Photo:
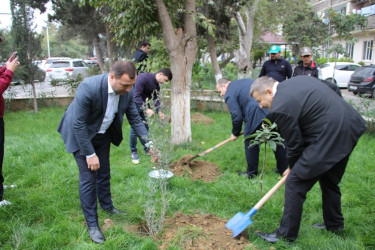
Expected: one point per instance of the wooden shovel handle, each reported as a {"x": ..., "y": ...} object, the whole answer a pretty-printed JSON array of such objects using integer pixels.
[
  {"x": 216, "y": 146},
  {"x": 270, "y": 193}
]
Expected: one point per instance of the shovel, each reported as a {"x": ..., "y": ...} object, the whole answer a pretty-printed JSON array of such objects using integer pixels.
[
  {"x": 240, "y": 221},
  {"x": 211, "y": 149}
]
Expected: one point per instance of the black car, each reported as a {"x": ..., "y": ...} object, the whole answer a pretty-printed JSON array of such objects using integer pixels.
[{"x": 362, "y": 81}]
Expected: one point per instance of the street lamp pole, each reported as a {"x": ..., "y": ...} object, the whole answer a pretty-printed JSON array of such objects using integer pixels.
[{"x": 49, "y": 54}]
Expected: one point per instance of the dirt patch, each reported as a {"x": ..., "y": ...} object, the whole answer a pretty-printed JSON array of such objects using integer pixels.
[
  {"x": 199, "y": 118},
  {"x": 200, "y": 231},
  {"x": 196, "y": 169}
]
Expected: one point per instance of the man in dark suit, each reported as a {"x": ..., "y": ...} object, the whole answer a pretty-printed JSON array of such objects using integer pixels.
[
  {"x": 91, "y": 123},
  {"x": 244, "y": 109},
  {"x": 320, "y": 130}
]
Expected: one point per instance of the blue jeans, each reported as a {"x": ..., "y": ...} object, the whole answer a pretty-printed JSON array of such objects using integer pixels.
[{"x": 133, "y": 136}]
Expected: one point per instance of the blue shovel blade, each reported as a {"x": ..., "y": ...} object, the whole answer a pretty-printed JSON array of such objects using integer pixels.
[
  {"x": 235, "y": 219},
  {"x": 241, "y": 226}
]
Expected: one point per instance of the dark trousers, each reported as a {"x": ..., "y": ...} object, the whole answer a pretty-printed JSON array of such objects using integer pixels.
[
  {"x": 295, "y": 195},
  {"x": 93, "y": 185},
  {"x": 252, "y": 158},
  {"x": 133, "y": 136},
  {"x": 2, "y": 140}
]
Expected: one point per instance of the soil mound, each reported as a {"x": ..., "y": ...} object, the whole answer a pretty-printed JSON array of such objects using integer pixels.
[
  {"x": 200, "y": 231},
  {"x": 196, "y": 170},
  {"x": 199, "y": 118}
]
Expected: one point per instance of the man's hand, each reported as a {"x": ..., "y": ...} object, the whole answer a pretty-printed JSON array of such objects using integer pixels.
[
  {"x": 93, "y": 163},
  {"x": 12, "y": 63},
  {"x": 233, "y": 137},
  {"x": 161, "y": 115},
  {"x": 154, "y": 154},
  {"x": 150, "y": 112}
]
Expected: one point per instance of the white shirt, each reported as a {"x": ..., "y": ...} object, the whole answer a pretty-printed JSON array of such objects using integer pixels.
[
  {"x": 274, "y": 88},
  {"x": 112, "y": 108}
]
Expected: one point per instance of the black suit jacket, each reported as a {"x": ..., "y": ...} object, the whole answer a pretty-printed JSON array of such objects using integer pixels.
[{"x": 319, "y": 127}]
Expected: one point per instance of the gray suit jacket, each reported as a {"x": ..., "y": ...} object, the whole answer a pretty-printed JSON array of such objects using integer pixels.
[{"x": 83, "y": 118}]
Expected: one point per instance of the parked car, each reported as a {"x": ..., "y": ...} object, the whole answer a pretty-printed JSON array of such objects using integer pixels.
[
  {"x": 343, "y": 71},
  {"x": 363, "y": 81},
  {"x": 67, "y": 69},
  {"x": 49, "y": 60}
]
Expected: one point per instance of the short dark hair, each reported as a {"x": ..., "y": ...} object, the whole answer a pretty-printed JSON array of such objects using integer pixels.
[
  {"x": 144, "y": 44},
  {"x": 124, "y": 67},
  {"x": 167, "y": 72}
]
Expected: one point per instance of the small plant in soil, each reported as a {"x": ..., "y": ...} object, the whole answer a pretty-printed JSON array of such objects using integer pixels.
[
  {"x": 158, "y": 200},
  {"x": 267, "y": 136}
]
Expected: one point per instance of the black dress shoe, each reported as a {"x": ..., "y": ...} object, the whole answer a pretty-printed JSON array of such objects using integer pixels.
[
  {"x": 249, "y": 176},
  {"x": 271, "y": 237},
  {"x": 114, "y": 210},
  {"x": 96, "y": 235},
  {"x": 339, "y": 231}
]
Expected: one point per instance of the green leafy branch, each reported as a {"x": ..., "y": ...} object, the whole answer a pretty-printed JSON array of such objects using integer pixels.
[{"x": 267, "y": 136}]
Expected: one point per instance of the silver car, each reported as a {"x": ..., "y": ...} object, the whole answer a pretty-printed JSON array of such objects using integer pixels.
[{"x": 67, "y": 69}]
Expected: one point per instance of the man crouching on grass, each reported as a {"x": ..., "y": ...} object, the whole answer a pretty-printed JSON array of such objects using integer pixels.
[{"x": 320, "y": 130}]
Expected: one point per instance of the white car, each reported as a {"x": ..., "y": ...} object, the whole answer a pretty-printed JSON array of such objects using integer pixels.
[
  {"x": 47, "y": 63},
  {"x": 343, "y": 72},
  {"x": 67, "y": 69}
]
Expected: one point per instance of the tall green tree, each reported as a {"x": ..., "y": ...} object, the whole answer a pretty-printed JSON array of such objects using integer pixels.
[
  {"x": 26, "y": 41},
  {"x": 84, "y": 19},
  {"x": 174, "y": 20},
  {"x": 303, "y": 26}
]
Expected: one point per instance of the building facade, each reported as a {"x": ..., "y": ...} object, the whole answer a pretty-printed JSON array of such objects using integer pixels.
[{"x": 363, "y": 48}]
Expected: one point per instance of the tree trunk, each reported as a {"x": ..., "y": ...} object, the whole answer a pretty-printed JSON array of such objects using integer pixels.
[
  {"x": 246, "y": 31},
  {"x": 34, "y": 97},
  {"x": 213, "y": 55},
  {"x": 109, "y": 44},
  {"x": 182, "y": 49},
  {"x": 99, "y": 54}
]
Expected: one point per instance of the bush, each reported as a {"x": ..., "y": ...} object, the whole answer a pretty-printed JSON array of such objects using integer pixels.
[{"x": 321, "y": 60}]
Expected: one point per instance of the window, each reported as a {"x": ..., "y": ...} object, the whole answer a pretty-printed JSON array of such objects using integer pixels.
[
  {"x": 78, "y": 64},
  {"x": 368, "y": 50},
  {"x": 349, "y": 50}
]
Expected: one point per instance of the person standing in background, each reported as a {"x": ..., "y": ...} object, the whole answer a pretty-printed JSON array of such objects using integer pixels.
[
  {"x": 6, "y": 75},
  {"x": 140, "y": 56},
  {"x": 276, "y": 67}
]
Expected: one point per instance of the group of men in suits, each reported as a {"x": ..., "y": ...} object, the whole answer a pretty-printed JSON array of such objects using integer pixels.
[{"x": 320, "y": 130}]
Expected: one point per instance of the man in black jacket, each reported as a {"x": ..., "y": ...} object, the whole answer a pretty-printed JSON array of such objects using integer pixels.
[
  {"x": 320, "y": 130},
  {"x": 307, "y": 66},
  {"x": 140, "y": 56},
  {"x": 276, "y": 67}
]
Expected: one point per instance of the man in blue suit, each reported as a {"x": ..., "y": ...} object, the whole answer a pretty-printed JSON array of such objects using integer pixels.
[
  {"x": 244, "y": 109},
  {"x": 91, "y": 123}
]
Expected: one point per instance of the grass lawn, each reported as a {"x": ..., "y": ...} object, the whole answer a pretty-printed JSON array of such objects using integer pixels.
[{"x": 46, "y": 212}]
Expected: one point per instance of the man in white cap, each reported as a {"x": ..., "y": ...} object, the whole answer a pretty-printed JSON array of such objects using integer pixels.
[
  {"x": 6, "y": 75},
  {"x": 276, "y": 67}
]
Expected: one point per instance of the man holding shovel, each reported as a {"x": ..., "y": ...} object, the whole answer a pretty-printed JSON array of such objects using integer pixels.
[
  {"x": 244, "y": 109},
  {"x": 320, "y": 130}
]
